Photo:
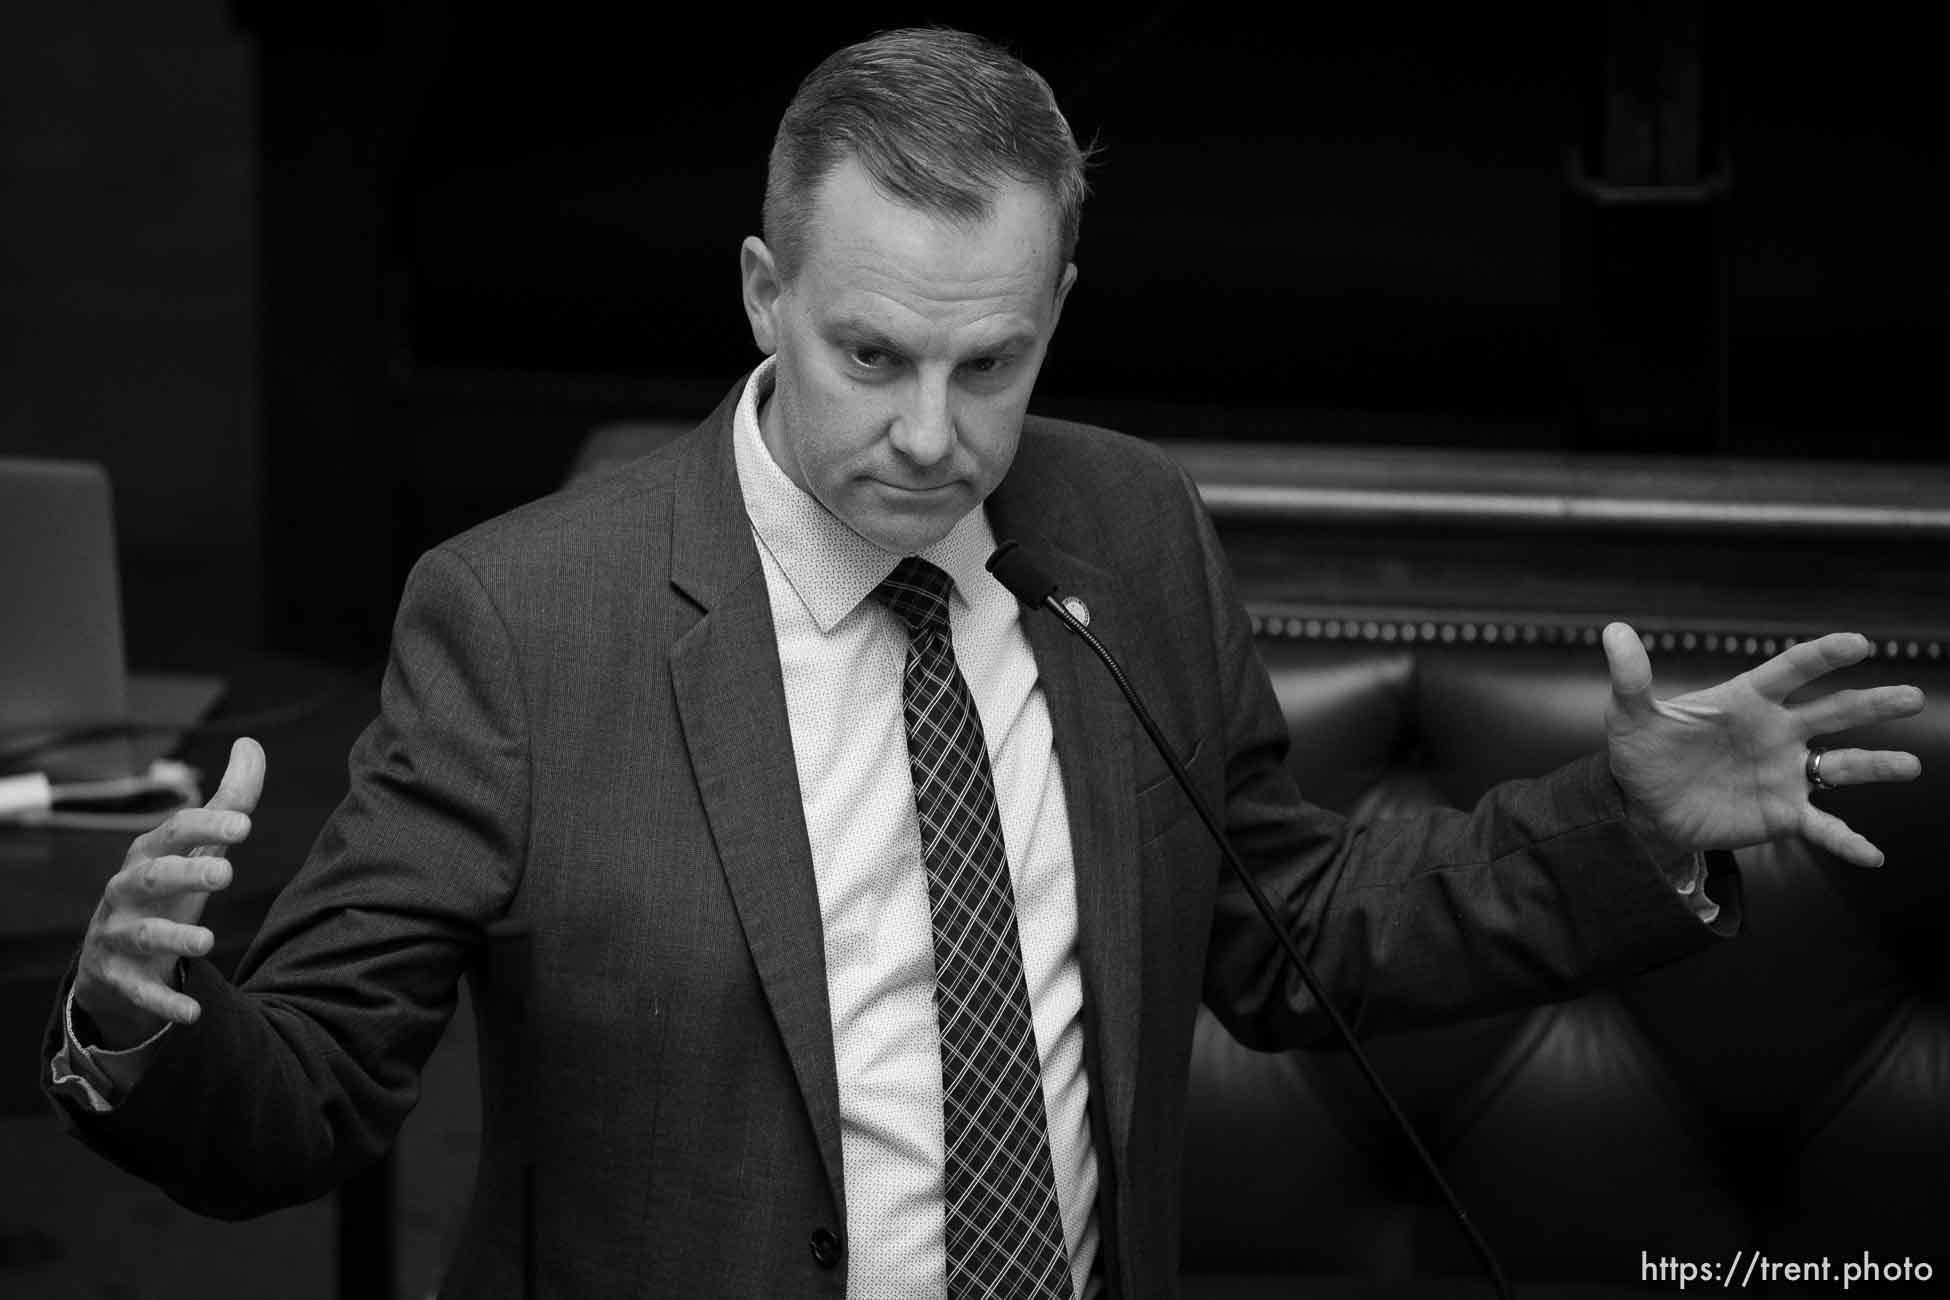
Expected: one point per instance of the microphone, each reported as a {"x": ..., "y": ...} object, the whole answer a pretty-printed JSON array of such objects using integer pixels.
[{"x": 1026, "y": 578}]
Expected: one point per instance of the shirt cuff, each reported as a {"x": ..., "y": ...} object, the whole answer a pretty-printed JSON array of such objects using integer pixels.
[
  {"x": 1685, "y": 870},
  {"x": 1688, "y": 877},
  {"x": 97, "y": 1078}
]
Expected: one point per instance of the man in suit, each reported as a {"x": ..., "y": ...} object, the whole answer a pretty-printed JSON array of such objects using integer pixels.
[{"x": 683, "y": 731}]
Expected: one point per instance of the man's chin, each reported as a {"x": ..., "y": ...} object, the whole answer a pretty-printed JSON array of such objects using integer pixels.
[{"x": 905, "y": 532}]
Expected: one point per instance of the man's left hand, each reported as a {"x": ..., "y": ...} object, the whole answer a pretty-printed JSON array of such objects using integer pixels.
[{"x": 1726, "y": 767}]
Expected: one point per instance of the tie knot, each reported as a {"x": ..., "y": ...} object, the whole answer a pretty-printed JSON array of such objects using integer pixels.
[{"x": 917, "y": 592}]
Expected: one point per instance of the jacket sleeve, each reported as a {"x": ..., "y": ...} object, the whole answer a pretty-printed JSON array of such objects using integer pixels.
[
  {"x": 1538, "y": 893},
  {"x": 300, "y": 1074}
]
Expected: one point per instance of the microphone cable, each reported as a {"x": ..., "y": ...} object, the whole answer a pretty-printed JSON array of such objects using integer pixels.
[{"x": 1031, "y": 584}]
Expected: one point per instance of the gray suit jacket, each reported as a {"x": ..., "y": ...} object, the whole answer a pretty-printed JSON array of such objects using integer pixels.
[{"x": 583, "y": 742}]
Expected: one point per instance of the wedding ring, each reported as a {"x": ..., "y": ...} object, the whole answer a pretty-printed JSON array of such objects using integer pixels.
[{"x": 1813, "y": 768}]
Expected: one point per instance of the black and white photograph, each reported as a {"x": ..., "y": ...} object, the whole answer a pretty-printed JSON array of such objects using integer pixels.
[{"x": 973, "y": 652}]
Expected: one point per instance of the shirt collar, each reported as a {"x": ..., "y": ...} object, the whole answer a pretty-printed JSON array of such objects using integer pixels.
[{"x": 830, "y": 567}]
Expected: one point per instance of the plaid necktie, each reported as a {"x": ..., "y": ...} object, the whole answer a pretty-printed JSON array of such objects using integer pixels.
[{"x": 1005, "y": 1237}]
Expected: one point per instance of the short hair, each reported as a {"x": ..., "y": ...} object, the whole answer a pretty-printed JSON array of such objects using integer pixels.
[{"x": 938, "y": 118}]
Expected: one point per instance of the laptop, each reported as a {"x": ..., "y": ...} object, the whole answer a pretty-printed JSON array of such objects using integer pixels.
[{"x": 67, "y": 706}]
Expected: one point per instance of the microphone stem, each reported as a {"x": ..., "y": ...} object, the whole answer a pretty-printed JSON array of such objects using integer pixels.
[{"x": 1307, "y": 976}]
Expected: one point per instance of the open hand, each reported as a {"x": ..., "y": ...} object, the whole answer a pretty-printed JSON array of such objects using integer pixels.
[
  {"x": 147, "y": 918},
  {"x": 1726, "y": 767}
]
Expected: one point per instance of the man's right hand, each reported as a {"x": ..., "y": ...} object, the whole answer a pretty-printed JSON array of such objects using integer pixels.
[{"x": 147, "y": 919}]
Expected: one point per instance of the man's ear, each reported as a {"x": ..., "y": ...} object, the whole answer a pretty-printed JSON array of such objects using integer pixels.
[
  {"x": 1063, "y": 283},
  {"x": 758, "y": 276}
]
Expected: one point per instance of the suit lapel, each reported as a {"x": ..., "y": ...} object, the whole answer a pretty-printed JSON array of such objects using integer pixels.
[
  {"x": 731, "y": 701},
  {"x": 1094, "y": 735}
]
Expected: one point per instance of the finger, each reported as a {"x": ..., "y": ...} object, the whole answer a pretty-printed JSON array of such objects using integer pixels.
[
  {"x": 243, "y": 779},
  {"x": 152, "y": 879},
  {"x": 1796, "y": 666},
  {"x": 155, "y": 936},
  {"x": 142, "y": 989},
  {"x": 1863, "y": 766},
  {"x": 1826, "y": 831},
  {"x": 1842, "y": 710},
  {"x": 189, "y": 829},
  {"x": 1631, "y": 671}
]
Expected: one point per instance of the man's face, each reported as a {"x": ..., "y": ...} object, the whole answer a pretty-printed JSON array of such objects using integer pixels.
[{"x": 906, "y": 348}]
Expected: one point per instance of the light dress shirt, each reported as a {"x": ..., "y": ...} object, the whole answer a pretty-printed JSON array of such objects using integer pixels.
[{"x": 844, "y": 655}]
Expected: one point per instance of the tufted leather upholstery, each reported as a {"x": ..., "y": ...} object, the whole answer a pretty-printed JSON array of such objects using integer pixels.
[{"x": 1788, "y": 1091}]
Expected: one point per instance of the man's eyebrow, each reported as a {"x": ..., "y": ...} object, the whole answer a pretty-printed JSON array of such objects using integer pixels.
[
  {"x": 1013, "y": 341},
  {"x": 866, "y": 334},
  {"x": 860, "y": 331}
]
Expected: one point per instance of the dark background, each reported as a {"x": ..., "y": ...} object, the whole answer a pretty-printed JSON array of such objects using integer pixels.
[
  {"x": 323, "y": 284},
  {"x": 1366, "y": 209}
]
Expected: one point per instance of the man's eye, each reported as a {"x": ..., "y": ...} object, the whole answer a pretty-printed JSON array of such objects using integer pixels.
[
  {"x": 870, "y": 358},
  {"x": 986, "y": 365}
]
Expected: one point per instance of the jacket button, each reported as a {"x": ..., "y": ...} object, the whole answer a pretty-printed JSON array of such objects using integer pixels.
[{"x": 825, "y": 1248}]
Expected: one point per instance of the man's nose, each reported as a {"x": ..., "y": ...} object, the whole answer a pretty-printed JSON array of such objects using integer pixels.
[{"x": 924, "y": 430}]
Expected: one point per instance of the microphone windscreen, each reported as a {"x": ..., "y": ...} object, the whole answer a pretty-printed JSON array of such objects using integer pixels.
[{"x": 1018, "y": 570}]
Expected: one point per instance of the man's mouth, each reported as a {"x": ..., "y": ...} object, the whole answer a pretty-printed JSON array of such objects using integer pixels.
[{"x": 918, "y": 489}]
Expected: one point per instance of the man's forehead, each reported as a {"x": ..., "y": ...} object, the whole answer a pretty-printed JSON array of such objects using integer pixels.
[{"x": 854, "y": 218}]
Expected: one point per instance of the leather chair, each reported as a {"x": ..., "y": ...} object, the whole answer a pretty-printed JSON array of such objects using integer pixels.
[{"x": 1787, "y": 1092}]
